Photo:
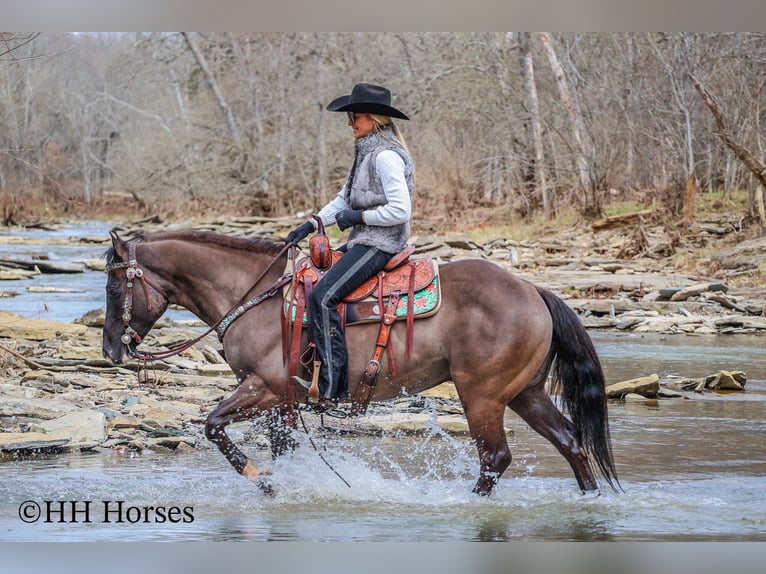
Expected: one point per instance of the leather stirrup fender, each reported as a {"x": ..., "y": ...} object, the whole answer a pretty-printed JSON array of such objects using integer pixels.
[{"x": 319, "y": 247}]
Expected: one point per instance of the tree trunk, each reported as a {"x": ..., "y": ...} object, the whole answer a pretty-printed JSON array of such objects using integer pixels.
[
  {"x": 578, "y": 128},
  {"x": 690, "y": 199},
  {"x": 530, "y": 97},
  {"x": 756, "y": 167},
  {"x": 219, "y": 97}
]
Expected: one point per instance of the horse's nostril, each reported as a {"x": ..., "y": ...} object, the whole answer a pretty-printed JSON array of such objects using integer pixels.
[{"x": 110, "y": 354}]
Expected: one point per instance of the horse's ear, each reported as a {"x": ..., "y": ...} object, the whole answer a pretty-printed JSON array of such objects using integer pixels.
[{"x": 120, "y": 246}]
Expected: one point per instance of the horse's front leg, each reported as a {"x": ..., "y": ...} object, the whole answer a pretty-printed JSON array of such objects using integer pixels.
[{"x": 251, "y": 399}]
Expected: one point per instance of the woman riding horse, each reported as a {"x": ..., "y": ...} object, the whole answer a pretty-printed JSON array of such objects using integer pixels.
[{"x": 376, "y": 201}]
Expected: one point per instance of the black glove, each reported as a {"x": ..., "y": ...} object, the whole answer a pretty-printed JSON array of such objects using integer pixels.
[
  {"x": 299, "y": 233},
  {"x": 348, "y": 218}
]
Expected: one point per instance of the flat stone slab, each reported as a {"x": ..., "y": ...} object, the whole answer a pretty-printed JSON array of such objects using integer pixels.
[
  {"x": 84, "y": 428},
  {"x": 420, "y": 423},
  {"x": 15, "y": 326},
  {"x": 15, "y": 274},
  {"x": 11, "y": 406},
  {"x": 13, "y": 441},
  {"x": 213, "y": 370},
  {"x": 43, "y": 265}
]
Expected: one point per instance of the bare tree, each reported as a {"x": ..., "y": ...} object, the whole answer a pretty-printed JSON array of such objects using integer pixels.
[
  {"x": 181, "y": 120},
  {"x": 756, "y": 167},
  {"x": 12, "y": 42},
  {"x": 581, "y": 151},
  {"x": 222, "y": 102},
  {"x": 530, "y": 97}
]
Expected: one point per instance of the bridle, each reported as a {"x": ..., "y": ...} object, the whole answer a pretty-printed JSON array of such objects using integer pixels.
[{"x": 134, "y": 273}]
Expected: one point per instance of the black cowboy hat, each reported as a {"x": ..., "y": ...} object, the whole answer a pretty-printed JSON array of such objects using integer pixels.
[{"x": 367, "y": 99}]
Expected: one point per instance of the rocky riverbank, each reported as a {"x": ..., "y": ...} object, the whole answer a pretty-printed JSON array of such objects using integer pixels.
[{"x": 57, "y": 393}]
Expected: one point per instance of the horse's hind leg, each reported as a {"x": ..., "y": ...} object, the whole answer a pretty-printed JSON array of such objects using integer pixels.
[
  {"x": 537, "y": 409},
  {"x": 251, "y": 399},
  {"x": 485, "y": 420}
]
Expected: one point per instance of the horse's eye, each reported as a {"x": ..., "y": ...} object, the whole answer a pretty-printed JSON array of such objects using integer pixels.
[{"x": 113, "y": 291}]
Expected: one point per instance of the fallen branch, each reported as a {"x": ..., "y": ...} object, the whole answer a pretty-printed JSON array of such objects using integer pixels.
[
  {"x": 28, "y": 362},
  {"x": 616, "y": 221}
]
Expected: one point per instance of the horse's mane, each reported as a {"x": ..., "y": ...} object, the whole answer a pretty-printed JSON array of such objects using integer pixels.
[
  {"x": 261, "y": 246},
  {"x": 211, "y": 238}
]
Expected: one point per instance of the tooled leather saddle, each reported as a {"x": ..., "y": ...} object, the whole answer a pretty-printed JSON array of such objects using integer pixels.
[{"x": 405, "y": 289}]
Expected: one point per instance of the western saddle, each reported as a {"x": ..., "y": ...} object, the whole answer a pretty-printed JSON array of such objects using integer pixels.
[{"x": 383, "y": 293}]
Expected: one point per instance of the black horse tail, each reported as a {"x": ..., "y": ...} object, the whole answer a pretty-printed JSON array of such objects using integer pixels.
[{"x": 579, "y": 380}]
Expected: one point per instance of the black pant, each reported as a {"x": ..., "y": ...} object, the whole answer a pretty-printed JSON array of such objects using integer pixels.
[{"x": 357, "y": 265}]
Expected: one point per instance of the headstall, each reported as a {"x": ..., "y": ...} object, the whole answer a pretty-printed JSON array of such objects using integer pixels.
[{"x": 134, "y": 273}]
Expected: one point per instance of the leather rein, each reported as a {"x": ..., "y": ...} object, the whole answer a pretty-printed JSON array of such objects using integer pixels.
[{"x": 135, "y": 273}]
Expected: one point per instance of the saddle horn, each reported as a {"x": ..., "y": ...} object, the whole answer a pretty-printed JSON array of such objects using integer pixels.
[{"x": 319, "y": 247}]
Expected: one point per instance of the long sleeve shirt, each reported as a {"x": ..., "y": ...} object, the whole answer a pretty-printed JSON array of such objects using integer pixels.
[{"x": 398, "y": 207}]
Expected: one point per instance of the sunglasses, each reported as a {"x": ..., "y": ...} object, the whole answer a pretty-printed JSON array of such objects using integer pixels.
[{"x": 352, "y": 116}]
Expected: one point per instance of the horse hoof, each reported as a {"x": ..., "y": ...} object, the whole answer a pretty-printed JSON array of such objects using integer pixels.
[{"x": 265, "y": 486}]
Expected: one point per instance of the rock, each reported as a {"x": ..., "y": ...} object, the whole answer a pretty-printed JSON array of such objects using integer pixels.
[
  {"x": 14, "y": 441},
  {"x": 14, "y": 326},
  {"x": 644, "y": 386},
  {"x": 213, "y": 356},
  {"x": 600, "y": 307},
  {"x": 720, "y": 381},
  {"x": 418, "y": 423},
  {"x": 94, "y": 318},
  {"x": 181, "y": 363},
  {"x": 171, "y": 442},
  {"x": 43, "y": 265},
  {"x": 111, "y": 386},
  {"x": 214, "y": 370},
  {"x": 636, "y": 398},
  {"x": 669, "y": 324},
  {"x": 35, "y": 408},
  {"x": 466, "y": 244},
  {"x": 455, "y": 425},
  {"x": 84, "y": 428},
  {"x": 79, "y": 352},
  {"x": 726, "y": 381},
  {"x": 756, "y": 323},
  {"x": 44, "y": 289},
  {"x": 17, "y": 391},
  {"x": 124, "y": 422},
  {"x": 627, "y": 323},
  {"x": 16, "y": 274},
  {"x": 205, "y": 394},
  {"x": 161, "y": 417},
  {"x": 45, "y": 380},
  {"x": 93, "y": 264},
  {"x": 110, "y": 414},
  {"x": 666, "y": 393},
  {"x": 444, "y": 391},
  {"x": 696, "y": 290}
]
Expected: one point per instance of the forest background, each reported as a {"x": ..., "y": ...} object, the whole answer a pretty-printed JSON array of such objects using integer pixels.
[{"x": 515, "y": 125}]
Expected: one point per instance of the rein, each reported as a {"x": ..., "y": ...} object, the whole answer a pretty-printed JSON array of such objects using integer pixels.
[{"x": 133, "y": 272}]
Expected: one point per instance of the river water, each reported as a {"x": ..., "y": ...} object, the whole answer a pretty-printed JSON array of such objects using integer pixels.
[{"x": 691, "y": 470}]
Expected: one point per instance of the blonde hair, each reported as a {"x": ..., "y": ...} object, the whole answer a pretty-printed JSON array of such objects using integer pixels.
[{"x": 381, "y": 121}]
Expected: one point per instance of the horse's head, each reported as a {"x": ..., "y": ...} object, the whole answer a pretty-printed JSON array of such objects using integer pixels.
[{"x": 134, "y": 300}]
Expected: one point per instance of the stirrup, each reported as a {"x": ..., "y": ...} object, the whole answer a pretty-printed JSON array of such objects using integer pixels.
[
  {"x": 336, "y": 408},
  {"x": 299, "y": 382}
]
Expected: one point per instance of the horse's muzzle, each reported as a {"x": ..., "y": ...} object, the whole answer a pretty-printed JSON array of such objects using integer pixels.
[{"x": 114, "y": 352}]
